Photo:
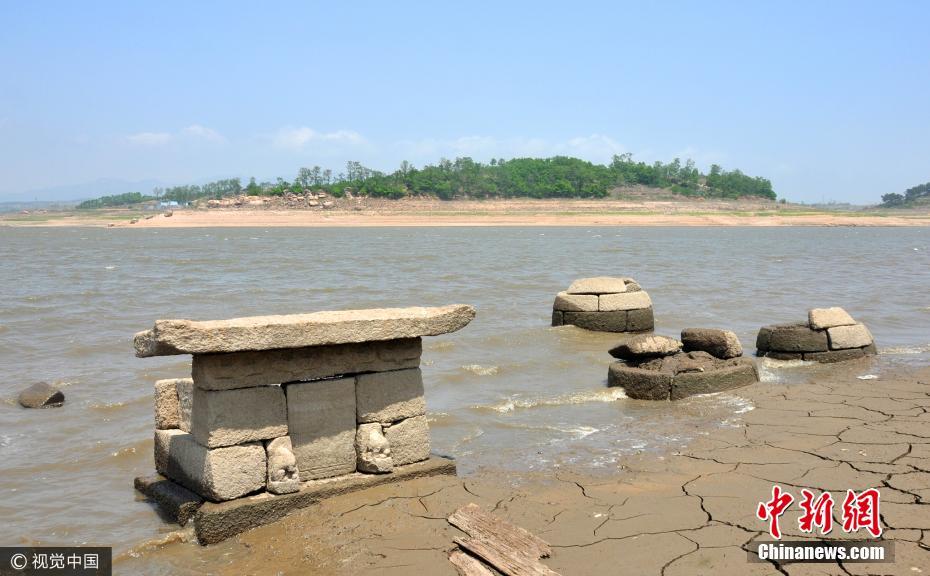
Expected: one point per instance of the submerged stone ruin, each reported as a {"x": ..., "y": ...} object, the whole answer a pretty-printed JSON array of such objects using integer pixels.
[
  {"x": 604, "y": 304},
  {"x": 661, "y": 368},
  {"x": 281, "y": 411},
  {"x": 829, "y": 335}
]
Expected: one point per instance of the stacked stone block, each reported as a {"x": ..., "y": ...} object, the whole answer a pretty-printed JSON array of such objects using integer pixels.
[
  {"x": 343, "y": 396},
  {"x": 604, "y": 304},
  {"x": 829, "y": 335}
]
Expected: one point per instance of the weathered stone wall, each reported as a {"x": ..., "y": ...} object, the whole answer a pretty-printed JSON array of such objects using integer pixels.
[{"x": 604, "y": 304}]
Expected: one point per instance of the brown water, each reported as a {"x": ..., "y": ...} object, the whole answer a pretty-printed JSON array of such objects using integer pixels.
[{"x": 508, "y": 392}]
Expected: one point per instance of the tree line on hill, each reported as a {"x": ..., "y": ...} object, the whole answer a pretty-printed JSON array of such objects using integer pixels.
[
  {"x": 556, "y": 177},
  {"x": 909, "y": 198}
]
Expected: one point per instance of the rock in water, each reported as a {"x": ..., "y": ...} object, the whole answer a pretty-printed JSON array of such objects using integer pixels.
[
  {"x": 283, "y": 477},
  {"x": 41, "y": 395},
  {"x": 720, "y": 343},
  {"x": 373, "y": 449},
  {"x": 645, "y": 346}
]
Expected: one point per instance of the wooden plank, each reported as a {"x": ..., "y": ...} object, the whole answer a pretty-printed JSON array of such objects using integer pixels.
[
  {"x": 468, "y": 565},
  {"x": 481, "y": 525},
  {"x": 507, "y": 559}
]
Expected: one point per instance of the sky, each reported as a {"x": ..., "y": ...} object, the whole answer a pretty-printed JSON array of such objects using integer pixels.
[{"x": 829, "y": 100}]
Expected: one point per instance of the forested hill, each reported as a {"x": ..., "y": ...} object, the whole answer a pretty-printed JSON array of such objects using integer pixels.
[
  {"x": 557, "y": 177},
  {"x": 919, "y": 194}
]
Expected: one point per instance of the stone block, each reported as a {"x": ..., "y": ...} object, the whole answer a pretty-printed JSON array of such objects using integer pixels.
[
  {"x": 373, "y": 450},
  {"x": 855, "y": 336},
  {"x": 389, "y": 396},
  {"x": 624, "y": 301},
  {"x": 598, "y": 321},
  {"x": 820, "y": 318},
  {"x": 162, "y": 447},
  {"x": 409, "y": 440},
  {"x": 797, "y": 339},
  {"x": 575, "y": 302},
  {"x": 185, "y": 388},
  {"x": 283, "y": 477},
  {"x": 299, "y": 330},
  {"x": 645, "y": 346},
  {"x": 763, "y": 339},
  {"x": 775, "y": 355},
  {"x": 166, "y": 405},
  {"x": 719, "y": 343},
  {"x": 557, "y": 318},
  {"x": 248, "y": 369},
  {"x": 217, "y": 474},
  {"x": 598, "y": 285},
  {"x": 321, "y": 424},
  {"x": 686, "y": 384},
  {"x": 174, "y": 500},
  {"x": 835, "y": 355},
  {"x": 640, "y": 320},
  {"x": 638, "y": 383},
  {"x": 228, "y": 417}
]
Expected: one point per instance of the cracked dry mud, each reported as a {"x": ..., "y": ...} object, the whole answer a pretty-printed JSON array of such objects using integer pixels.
[{"x": 688, "y": 513}]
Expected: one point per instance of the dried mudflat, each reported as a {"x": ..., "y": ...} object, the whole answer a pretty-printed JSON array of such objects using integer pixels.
[
  {"x": 687, "y": 513},
  {"x": 362, "y": 212}
]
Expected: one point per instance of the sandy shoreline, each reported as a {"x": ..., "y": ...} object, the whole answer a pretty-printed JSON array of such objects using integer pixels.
[
  {"x": 431, "y": 212},
  {"x": 684, "y": 513}
]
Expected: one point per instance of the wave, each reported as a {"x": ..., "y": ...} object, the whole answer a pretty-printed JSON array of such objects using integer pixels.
[
  {"x": 480, "y": 370},
  {"x": 739, "y": 404},
  {"x": 513, "y": 403},
  {"x": 769, "y": 368},
  {"x": 442, "y": 345},
  {"x": 919, "y": 349},
  {"x": 578, "y": 432}
]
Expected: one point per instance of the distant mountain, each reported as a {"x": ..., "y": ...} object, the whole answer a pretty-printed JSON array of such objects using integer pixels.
[{"x": 100, "y": 187}]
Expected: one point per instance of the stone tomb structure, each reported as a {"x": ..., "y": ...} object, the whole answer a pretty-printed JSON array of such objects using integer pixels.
[
  {"x": 604, "y": 304},
  {"x": 829, "y": 335},
  {"x": 660, "y": 368},
  {"x": 281, "y": 411}
]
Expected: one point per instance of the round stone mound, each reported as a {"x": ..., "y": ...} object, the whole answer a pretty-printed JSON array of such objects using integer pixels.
[
  {"x": 656, "y": 368},
  {"x": 681, "y": 375},
  {"x": 829, "y": 335},
  {"x": 604, "y": 304}
]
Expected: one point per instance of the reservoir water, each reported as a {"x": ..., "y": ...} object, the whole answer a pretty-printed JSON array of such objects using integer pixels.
[{"x": 507, "y": 393}]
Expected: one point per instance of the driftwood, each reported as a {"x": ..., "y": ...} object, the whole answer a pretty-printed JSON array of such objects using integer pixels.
[
  {"x": 508, "y": 548},
  {"x": 477, "y": 523},
  {"x": 468, "y": 565}
]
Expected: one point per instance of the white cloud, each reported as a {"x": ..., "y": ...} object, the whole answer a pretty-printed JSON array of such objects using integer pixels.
[
  {"x": 149, "y": 138},
  {"x": 192, "y": 132},
  {"x": 202, "y": 132},
  {"x": 297, "y": 138}
]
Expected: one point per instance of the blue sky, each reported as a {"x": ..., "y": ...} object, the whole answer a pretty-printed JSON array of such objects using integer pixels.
[{"x": 829, "y": 100}]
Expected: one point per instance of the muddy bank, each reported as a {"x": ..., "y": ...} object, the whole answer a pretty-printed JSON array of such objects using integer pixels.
[{"x": 685, "y": 512}]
